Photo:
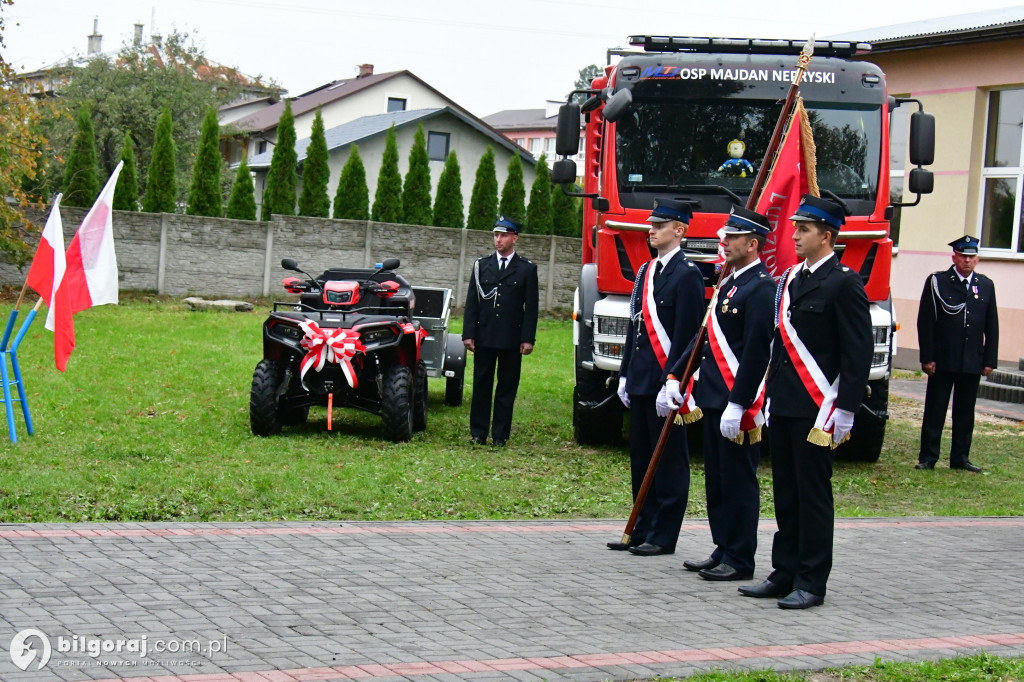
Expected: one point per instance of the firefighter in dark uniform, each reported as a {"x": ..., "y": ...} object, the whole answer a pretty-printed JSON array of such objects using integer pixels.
[
  {"x": 674, "y": 291},
  {"x": 499, "y": 327},
  {"x": 958, "y": 332},
  {"x": 821, "y": 357},
  {"x": 739, "y": 340}
]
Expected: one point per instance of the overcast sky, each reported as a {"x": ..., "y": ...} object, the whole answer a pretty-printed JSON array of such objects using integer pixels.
[{"x": 486, "y": 56}]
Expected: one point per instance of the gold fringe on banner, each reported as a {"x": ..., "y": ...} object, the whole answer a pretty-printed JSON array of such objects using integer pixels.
[
  {"x": 820, "y": 438},
  {"x": 689, "y": 417},
  {"x": 754, "y": 435},
  {"x": 807, "y": 149}
]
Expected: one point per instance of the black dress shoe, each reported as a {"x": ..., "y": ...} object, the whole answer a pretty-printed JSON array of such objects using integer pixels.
[
  {"x": 621, "y": 546},
  {"x": 708, "y": 563},
  {"x": 725, "y": 572},
  {"x": 967, "y": 466},
  {"x": 500, "y": 443},
  {"x": 477, "y": 441},
  {"x": 765, "y": 589},
  {"x": 801, "y": 599},
  {"x": 925, "y": 465},
  {"x": 647, "y": 549}
]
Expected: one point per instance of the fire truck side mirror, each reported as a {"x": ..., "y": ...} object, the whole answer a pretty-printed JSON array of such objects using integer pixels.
[
  {"x": 563, "y": 170},
  {"x": 921, "y": 181},
  {"x": 922, "y": 138},
  {"x": 617, "y": 105},
  {"x": 567, "y": 134}
]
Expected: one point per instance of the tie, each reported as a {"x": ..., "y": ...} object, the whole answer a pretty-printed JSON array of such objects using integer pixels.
[
  {"x": 657, "y": 270},
  {"x": 501, "y": 268},
  {"x": 967, "y": 285},
  {"x": 801, "y": 280}
]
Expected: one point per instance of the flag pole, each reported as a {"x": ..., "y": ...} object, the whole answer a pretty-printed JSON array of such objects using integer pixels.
[{"x": 760, "y": 180}]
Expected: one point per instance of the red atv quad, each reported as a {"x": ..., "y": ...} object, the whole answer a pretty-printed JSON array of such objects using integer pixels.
[{"x": 350, "y": 341}]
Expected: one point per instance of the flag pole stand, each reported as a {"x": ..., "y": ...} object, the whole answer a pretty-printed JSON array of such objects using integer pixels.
[{"x": 11, "y": 378}]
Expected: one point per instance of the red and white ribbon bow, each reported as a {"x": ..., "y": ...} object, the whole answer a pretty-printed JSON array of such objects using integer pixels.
[{"x": 334, "y": 345}]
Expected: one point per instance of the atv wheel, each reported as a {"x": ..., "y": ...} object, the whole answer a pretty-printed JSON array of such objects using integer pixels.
[
  {"x": 419, "y": 405},
  {"x": 263, "y": 414},
  {"x": 396, "y": 404},
  {"x": 453, "y": 389}
]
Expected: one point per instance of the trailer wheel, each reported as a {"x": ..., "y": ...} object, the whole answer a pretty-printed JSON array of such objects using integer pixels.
[
  {"x": 868, "y": 435},
  {"x": 397, "y": 404},
  {"x": 453, "y": 388},
  {"x": 419, "y": 410},
  {"x": 264, "y": 419}
]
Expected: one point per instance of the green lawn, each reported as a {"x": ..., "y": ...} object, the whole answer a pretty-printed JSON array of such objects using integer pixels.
[{"x": 150, "y": 422}]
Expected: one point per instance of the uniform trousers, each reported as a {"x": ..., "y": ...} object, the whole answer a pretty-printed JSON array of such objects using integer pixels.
[
  {"x": 665, "y": 504},
  {"x": 509, "y": 364},
  {"x": 964, "y": 387},
  {"x": 804, "y": 508},
  {"x": 734, "y": 499}
]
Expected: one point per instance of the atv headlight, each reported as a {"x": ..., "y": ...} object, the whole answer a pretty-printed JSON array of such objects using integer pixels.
[
  {"x": 286, "y": 332},
  {"x": 376, "y": 335}
]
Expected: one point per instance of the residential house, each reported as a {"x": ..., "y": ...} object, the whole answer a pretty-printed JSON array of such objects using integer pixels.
[
  {"x": 446, "y": 129},
  {"x": 967, "y": 70},
  {"x": 532, "y": 129}
]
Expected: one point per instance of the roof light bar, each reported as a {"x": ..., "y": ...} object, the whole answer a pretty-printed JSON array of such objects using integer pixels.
[{"x": 827, "y": 48}]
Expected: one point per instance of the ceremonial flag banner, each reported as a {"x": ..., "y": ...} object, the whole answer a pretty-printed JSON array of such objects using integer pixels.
[
  {"x": 45, "y": 277},
  {"x": 791, "y": 177},
  {"x": 91, "y": 277}
]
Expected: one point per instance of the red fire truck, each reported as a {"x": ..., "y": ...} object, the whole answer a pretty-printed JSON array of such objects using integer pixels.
[{"x": 663, "y": 122}]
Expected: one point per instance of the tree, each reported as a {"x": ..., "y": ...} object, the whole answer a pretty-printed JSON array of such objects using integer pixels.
[
  {"x": 81, "y": 183},
  {"x": 538, "y": 215},
  {"x": 128, "y": 92},
  {"x": 387, "y": 201},
  {"x": 204, "y": 198},
  {"x": 416, "y": 191},
  {"x": 587, "y": 75},
  {"x": 565, "y": 222},
  {"x": 242, "y": 204},
  {"x": 126, "y": 194},
  {"x": 279, "y": 194},
  {"x": 513, "y": 192},
  {"x": 352, "y": 199},
  {"x": 161, "y": 181},
  {"x": 448, "y": 211},
  {"x": 24, "y": 148},
  {"x": 313, "y": 201},
  {"x": 483, "y": 204}
]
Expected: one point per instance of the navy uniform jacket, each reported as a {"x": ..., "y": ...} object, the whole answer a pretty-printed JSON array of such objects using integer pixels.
[
  {"x": 510, "y": 317},
  {"x": 964, "y": 341},
  {"x": 831, "y": 317},
  {"x": 748, "y": 325},
  {"x": 679, "y": 298}
]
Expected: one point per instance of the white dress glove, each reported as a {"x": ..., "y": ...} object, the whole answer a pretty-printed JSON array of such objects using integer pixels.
[
  {"x": 661, "y": 404},
  {"x": 623, "y": 396},
  {"x": 841, "y": 423},
  {"x": 675, "y": 398},
  {"x": 730, "y": 424}
]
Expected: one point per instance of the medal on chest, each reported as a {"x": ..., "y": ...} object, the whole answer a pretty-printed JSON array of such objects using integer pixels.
[{"x": 728, "y": 299}]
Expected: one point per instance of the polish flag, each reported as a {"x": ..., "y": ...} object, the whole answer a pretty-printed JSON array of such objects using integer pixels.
[
  {"x": 788, "y": 181},
  {"x": 91, "y": 277},
  {"x": 45, "y": 277}
]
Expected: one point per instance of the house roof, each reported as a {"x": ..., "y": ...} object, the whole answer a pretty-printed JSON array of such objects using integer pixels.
[
  {"x": 521, "y": 119},
  {"x": 267, "y": 119},
  {"x": 1005, "y": 22},
  {"x": 370, "y": 126}
]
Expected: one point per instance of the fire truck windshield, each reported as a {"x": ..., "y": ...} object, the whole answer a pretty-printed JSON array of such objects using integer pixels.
[{"x": 677, "y": 144}]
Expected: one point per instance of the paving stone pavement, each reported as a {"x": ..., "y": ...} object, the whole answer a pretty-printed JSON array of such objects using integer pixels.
[{"x": 285, "y": 602}]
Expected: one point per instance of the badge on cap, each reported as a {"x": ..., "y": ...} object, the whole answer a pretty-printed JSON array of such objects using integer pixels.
[{"x": 966, "y": 245}]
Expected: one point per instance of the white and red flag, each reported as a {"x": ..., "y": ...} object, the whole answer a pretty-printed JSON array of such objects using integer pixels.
[
  {"x": 792, "y": 176},
  {"x": 45, "y": 277},
  {"x": 91, "y": 277}
]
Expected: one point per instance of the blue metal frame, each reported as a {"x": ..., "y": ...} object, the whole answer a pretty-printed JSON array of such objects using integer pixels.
[{"x": 11, "y": 354}]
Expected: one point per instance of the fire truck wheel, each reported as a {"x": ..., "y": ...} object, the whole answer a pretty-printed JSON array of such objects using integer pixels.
[
  {"x": 263, "y": 413},
  {"x": 453, "y": 389},
  {"x": 601, "y": 426},
  {"x": 868, "y": 435},
  {"x": 397, "y": 403},
  {"x": 419, "y": 410}
]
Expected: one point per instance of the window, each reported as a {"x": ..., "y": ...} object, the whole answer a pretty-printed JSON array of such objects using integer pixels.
[
  {"x": 1003, "y": 173},
  {"x": 535, "y": 146},
  {"x": 520, "y": 141},
  {"x": 549, "y": 147},
  {"x": 396, "y": 104},
  {"x": 437, "y": 146},
  {"x": 261, "y": 146},
  {"x": 899, "y": 137}
]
